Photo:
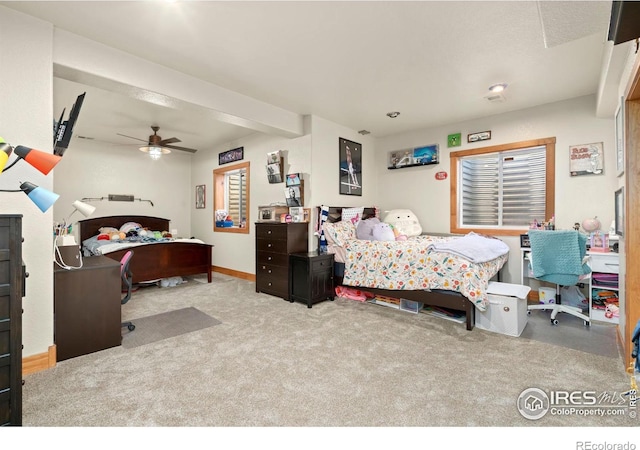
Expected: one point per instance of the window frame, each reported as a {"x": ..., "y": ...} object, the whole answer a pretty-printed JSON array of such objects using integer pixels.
[
  {"x": 550, "y": 168},
  {"x": 219, "y": 193}
]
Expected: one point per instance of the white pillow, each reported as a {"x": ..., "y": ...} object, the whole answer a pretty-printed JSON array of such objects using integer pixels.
[
  {"x": 352, "y": 214},
  {"x": 404, "y": 221}
]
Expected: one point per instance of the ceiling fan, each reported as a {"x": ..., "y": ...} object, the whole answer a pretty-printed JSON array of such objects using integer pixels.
[{"x": 156, "y": 146}]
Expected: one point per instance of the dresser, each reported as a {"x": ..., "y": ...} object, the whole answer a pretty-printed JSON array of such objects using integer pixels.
[
  {"x": 274, "y": 243},
  {"x": 87, "y": 308},
  {"x": 12, "y": 285}
]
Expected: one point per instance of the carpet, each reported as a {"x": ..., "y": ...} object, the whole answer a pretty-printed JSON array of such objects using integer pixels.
[{"x": 166, "y": 325}]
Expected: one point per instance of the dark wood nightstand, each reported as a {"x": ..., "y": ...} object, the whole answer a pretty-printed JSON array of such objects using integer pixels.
[{"x": 311, "y": 277}]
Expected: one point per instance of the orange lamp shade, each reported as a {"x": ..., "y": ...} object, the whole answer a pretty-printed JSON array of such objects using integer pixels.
[{"x": 42, "y": 161}]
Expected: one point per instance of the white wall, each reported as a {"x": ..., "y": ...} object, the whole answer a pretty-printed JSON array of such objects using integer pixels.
[
  {"x": 25, "y": 119},
  {"x": 95, "y": 170},
  {"x": 571, "y": 122},
  {"x": 236, "y": 251}
]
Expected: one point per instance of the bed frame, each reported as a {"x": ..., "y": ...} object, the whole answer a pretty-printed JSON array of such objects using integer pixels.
[
  {"x": 440, "y": 298},
  {"x": 154, "y": 261}
]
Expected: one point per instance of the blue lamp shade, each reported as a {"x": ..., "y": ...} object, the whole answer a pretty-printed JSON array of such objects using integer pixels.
[
  {"x": 43, "y": 198},
  {"x": 5, "y": 152}
]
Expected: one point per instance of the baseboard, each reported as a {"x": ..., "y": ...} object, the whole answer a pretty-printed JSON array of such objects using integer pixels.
[
  {"x": 37, "y": 363},
  {"x": 234, "y": 273}
]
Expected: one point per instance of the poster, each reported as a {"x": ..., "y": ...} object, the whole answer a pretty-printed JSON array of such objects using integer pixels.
[{"x": 586, "y": 159}]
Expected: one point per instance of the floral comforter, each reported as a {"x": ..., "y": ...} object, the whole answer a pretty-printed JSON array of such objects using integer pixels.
[{"x": 410, "y": 265}]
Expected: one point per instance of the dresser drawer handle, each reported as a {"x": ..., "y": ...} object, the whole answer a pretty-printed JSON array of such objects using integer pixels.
[
  {"x": 269, "y": 271},
  {"x": 269, "y": 258},
  {"x": 270, "y": 283},
  {"x": 264, "y": 267},
  {"x": 268, "y": 231},
  {"x": 269, "y": 245}
]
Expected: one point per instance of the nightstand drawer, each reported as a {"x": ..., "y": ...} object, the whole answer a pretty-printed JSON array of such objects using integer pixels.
[{"x": 321, "y": 265}]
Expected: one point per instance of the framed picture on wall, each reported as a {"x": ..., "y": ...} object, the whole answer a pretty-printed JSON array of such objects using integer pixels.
[
  {"x": 586, "y": 159},
  {"x": 350, "y": 167},
  {"x": 200, "y": 196},
  {"x": 619, "y": 212},
  {"x": 620, "y": 138}
]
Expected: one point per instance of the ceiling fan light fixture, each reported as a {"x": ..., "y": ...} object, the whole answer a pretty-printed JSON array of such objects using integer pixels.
[{"x": 154, "y": 151}]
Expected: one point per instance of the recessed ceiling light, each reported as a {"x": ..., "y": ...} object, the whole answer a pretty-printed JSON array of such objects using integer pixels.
[
  {"x": 498, "y": 87},
  {"x": 393, "y": 114}
]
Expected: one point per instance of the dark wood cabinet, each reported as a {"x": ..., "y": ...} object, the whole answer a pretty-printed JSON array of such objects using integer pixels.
[
  {"x": 311, "y": 277},
  {"x": 87, "y": 308},
  {"x": 274, "y": 243},
  {"x": 12, "y": 282}
]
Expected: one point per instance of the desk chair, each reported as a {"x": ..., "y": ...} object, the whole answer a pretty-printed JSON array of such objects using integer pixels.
[
  {"x": 127, "y": 283},
  {"x": 559, "y": 257}
]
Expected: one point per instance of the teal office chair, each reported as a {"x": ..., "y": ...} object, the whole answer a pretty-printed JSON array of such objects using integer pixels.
[
  {"x": 127, "y": 283},
  {"x": 559, "y": 257}
]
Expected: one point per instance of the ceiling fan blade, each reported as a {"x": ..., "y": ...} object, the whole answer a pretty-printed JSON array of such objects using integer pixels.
[
  {"x": 131, "y": 137},
  {"x": 89, "y": 138},
  {"x": 172, "y": 140},
  {"x": 184, "y": 149}
]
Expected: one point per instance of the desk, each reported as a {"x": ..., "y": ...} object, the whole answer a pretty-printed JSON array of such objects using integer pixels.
[{"x": 87, "y": 309}]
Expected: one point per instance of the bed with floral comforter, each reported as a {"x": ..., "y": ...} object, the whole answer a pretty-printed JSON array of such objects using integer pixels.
[{"x": 416, "y": 264}]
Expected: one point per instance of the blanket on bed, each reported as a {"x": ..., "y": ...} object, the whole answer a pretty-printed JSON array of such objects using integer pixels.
[{"x": 474, "y": 247}]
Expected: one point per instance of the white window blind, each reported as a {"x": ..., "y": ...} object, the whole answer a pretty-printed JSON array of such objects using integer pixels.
[
  {"x": 503, "y": 189},
  {"x": 236, "y": 195}
]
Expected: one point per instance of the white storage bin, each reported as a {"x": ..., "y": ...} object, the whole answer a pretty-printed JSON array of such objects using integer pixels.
[{"x": 507, "y": 311}]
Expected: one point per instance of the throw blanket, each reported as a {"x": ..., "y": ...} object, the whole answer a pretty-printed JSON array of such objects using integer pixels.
[
  {"x": 474, "y": 247},
  {"x": 557, "y": 256}
]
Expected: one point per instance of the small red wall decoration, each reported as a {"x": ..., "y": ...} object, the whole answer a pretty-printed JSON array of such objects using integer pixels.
[{"x": 441, "y": 175}]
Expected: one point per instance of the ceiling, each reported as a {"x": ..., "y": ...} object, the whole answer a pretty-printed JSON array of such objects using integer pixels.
[{"x": 347, "y": 62}]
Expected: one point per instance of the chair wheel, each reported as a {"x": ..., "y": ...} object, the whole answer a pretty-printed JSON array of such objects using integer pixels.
[
  {"x": 131, "y": 327},
  {"x": 554, "y": 322}
]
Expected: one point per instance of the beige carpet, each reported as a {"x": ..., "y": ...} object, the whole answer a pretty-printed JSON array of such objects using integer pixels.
[{"x": 338, "y": 364}]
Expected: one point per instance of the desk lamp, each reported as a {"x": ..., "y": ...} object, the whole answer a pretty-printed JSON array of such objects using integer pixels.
[{"x": 42, "y": 161}]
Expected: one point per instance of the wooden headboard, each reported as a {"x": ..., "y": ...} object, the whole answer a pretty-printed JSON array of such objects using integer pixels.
[
  {"x": 90, "y": 227},
  {"x": 335, "y": 213}
]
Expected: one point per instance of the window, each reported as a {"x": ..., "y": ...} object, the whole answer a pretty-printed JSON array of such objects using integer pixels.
[
  {"x": 503, "y": 188},
  {"x": 231, "y": 195}
]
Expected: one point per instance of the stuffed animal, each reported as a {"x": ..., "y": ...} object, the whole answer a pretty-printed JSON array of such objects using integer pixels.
[
  {"x": 404, "y": 221},
  {"x": 399, "y": 236},
  {"x": 383, "y": 232}
]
